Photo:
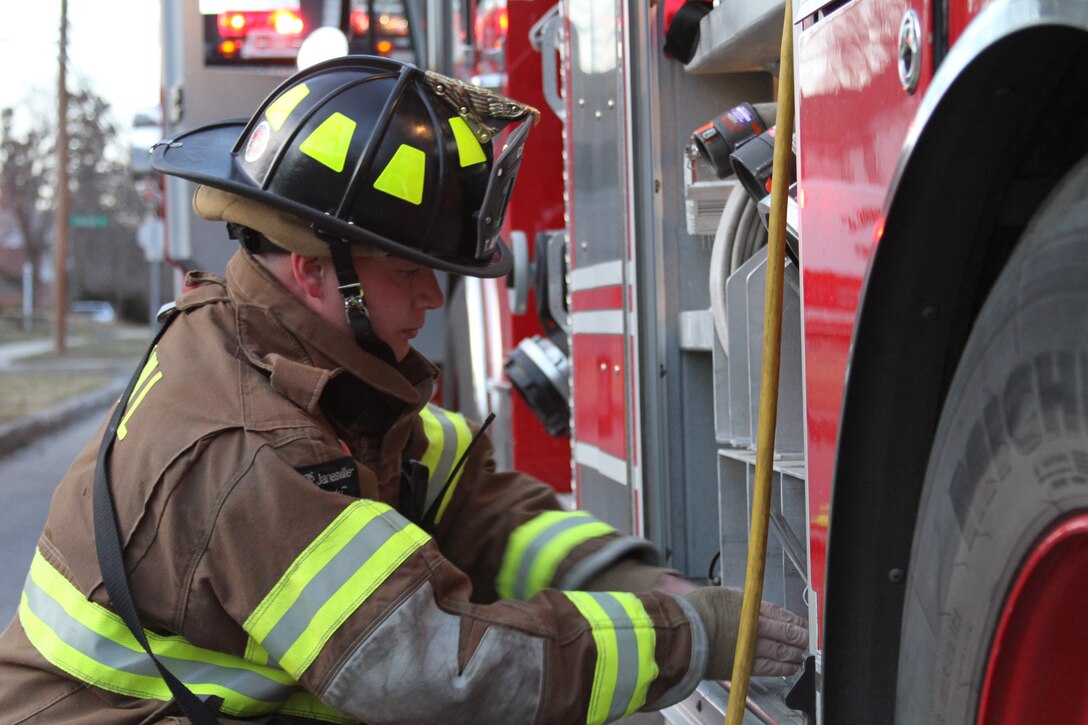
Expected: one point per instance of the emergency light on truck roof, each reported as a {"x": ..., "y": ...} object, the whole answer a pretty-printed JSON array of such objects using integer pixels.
[
  {"x": 215, "y": 7},
  {"x": 236, "y": 24}
]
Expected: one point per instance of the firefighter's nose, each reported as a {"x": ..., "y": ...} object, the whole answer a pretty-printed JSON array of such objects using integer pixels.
[{"x": 428, "y": 292}]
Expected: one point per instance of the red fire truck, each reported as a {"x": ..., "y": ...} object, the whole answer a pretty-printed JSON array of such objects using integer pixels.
[
  {"x": 930, "y": 508},
  {"x": 930, "y": 467}
]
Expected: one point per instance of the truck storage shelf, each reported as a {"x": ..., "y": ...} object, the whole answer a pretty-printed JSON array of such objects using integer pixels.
[
  {"x": 739, "y": 36},
  {"x": 793, "y": 466},
  {"x": 710, "y": 700}
]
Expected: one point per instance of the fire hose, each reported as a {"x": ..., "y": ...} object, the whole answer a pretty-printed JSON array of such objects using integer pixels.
[{"x": 768, "y": 397}]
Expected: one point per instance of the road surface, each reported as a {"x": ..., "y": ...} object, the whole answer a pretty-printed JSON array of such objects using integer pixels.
[{"x": 27, "y": 480}]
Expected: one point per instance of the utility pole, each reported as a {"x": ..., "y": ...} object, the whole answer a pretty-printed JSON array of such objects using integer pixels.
[{"x": 60, "y": 234}]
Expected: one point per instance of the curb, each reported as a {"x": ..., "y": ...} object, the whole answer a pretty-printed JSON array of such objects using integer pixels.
[{"x": 20, "y": 432}]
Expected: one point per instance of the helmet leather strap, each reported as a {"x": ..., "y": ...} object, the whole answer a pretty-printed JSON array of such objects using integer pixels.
[{"x": 355, "y": 309}]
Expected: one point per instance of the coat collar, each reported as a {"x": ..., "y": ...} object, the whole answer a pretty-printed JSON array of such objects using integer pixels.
[{"x": 302, "y": 352}]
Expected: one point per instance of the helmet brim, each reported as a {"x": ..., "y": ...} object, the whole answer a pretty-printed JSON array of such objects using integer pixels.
[{"x": 204, "y": 156}]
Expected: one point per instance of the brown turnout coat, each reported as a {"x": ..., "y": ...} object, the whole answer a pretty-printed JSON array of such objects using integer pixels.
[{"x": 257, "y": 436}]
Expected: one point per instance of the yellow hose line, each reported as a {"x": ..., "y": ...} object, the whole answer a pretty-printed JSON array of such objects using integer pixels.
[{"x": 768, "y": 396}]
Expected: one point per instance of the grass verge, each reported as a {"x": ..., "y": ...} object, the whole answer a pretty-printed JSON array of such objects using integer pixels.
[
  {"x": 26, "y": 392},
  {"x": 95, "y": 356},
  {"x": 102, "y": 349}
]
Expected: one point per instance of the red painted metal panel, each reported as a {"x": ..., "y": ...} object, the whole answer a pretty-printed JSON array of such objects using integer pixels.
[
  {"x": 854, "y": 116},
  {"x": 960, "y": 15},
  {"x": 536, "y": 206},
  {"x": 600, "y": 410},
  {"x": 598, "y": 298}
]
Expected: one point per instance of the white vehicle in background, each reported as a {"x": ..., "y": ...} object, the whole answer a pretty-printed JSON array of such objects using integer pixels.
[{"x": 97, "y": 310}]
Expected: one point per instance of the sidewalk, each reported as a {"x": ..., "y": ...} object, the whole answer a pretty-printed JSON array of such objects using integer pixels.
[{"x": 82, "y": 357}]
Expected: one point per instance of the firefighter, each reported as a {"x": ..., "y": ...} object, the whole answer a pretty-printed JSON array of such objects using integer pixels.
[{"x": 304, "y": 536}]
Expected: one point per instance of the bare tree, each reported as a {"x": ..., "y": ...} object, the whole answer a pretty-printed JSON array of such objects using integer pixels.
[
  {"x": 106, "y": 261},
  {"x": 25, "y": 167}
]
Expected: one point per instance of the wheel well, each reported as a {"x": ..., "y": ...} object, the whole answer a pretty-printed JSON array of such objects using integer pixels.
[{"x": 1003, "y": 134}]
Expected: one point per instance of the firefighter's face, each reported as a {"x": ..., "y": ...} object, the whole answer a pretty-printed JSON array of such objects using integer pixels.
[{"x": 398, "y": 294}]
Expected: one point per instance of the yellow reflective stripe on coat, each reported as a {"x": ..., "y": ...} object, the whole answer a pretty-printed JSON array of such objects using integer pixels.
[
  {"x": 448, "y": 436},
  {"x": 329, "y": 580},
  {"x": 303, "y": 704},
  {"x": 625, "y": 665},
  {"x": 143, "y": 387},
  {"x": 93, "y": 645},
  {"x": 537, "y": 548}
]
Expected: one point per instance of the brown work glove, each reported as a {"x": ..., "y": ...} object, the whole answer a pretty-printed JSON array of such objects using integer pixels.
[
  {"x": 781, "y": 636},
  {"x": 627, "y": 575}
]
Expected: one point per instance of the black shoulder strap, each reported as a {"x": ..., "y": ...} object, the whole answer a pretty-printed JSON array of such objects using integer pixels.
[
  {"x": 431, "y": 514},
  {"x": 107, "y": 539}
]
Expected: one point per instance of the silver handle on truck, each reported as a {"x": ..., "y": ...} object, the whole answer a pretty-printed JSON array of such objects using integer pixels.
[{"x": 544, "y": 36}]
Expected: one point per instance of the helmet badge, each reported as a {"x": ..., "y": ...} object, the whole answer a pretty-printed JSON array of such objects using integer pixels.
[{"x": 258, "y": 142}]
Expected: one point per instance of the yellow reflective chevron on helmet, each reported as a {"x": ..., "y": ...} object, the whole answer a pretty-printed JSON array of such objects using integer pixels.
[
  {"x": 278, "y": 111},
  {"x": 469, "y": 149},
  {"x": 403, "y": 175},
  {"x": 329, "y": 142}
]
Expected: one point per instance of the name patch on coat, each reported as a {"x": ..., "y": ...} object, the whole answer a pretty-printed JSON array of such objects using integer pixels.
[{"x": 339, "y": 476}]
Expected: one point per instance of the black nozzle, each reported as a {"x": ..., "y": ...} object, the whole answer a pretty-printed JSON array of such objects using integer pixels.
[
  {"x": 717, "y": 139},
  {"x": 753, "y": 163}
]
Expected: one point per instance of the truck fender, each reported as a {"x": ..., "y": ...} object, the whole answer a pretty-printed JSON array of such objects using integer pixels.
[{"x": 1003, "y": 120}]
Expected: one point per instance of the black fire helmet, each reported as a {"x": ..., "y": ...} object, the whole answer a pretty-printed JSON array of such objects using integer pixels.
[{"x": 373, "y": 151}]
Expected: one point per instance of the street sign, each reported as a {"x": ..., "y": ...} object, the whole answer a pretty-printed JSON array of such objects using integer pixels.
[
  {"x": 149, "y": 237},
  {"x": 88, "y": 221}
]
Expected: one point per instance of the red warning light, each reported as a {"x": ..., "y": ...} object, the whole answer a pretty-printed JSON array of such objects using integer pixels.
[
  {"x": 234, "y": 25},
  {"x": 286, "y": 22},
  {"x": 360, "y": 21}
]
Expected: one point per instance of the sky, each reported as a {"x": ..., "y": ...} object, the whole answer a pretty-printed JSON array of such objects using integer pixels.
[{"x": 113, "y": 47}]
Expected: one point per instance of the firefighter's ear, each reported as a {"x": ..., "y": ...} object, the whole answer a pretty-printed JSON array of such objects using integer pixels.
[{"x": 312, "y": 275}]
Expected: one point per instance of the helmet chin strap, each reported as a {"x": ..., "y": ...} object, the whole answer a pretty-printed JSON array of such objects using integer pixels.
[{"x": 355, "y": 308}]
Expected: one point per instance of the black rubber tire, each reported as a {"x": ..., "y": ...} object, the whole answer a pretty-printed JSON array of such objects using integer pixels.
[{"x": 1010, "y": 459}]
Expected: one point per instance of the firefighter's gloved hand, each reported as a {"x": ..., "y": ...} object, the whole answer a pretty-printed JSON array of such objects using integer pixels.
[
  {"x": 782, "y": 635},
  {"x": 719, "y": 610},
  {"x": 781, "y": 642}
]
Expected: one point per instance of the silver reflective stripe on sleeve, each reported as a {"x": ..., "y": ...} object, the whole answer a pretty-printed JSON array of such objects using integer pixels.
[
  {"x": 93, "y": 645},
  {"x": 700, "y": 650},
  {"x": 626, "y": 641},
  {"x": 384, "y": 677},
  {"x": 329, "y": 580},
  {"x": 535, "y": 550},
  {"x": 620, "y": 548},
  {"x": 448, "y": 436}
]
